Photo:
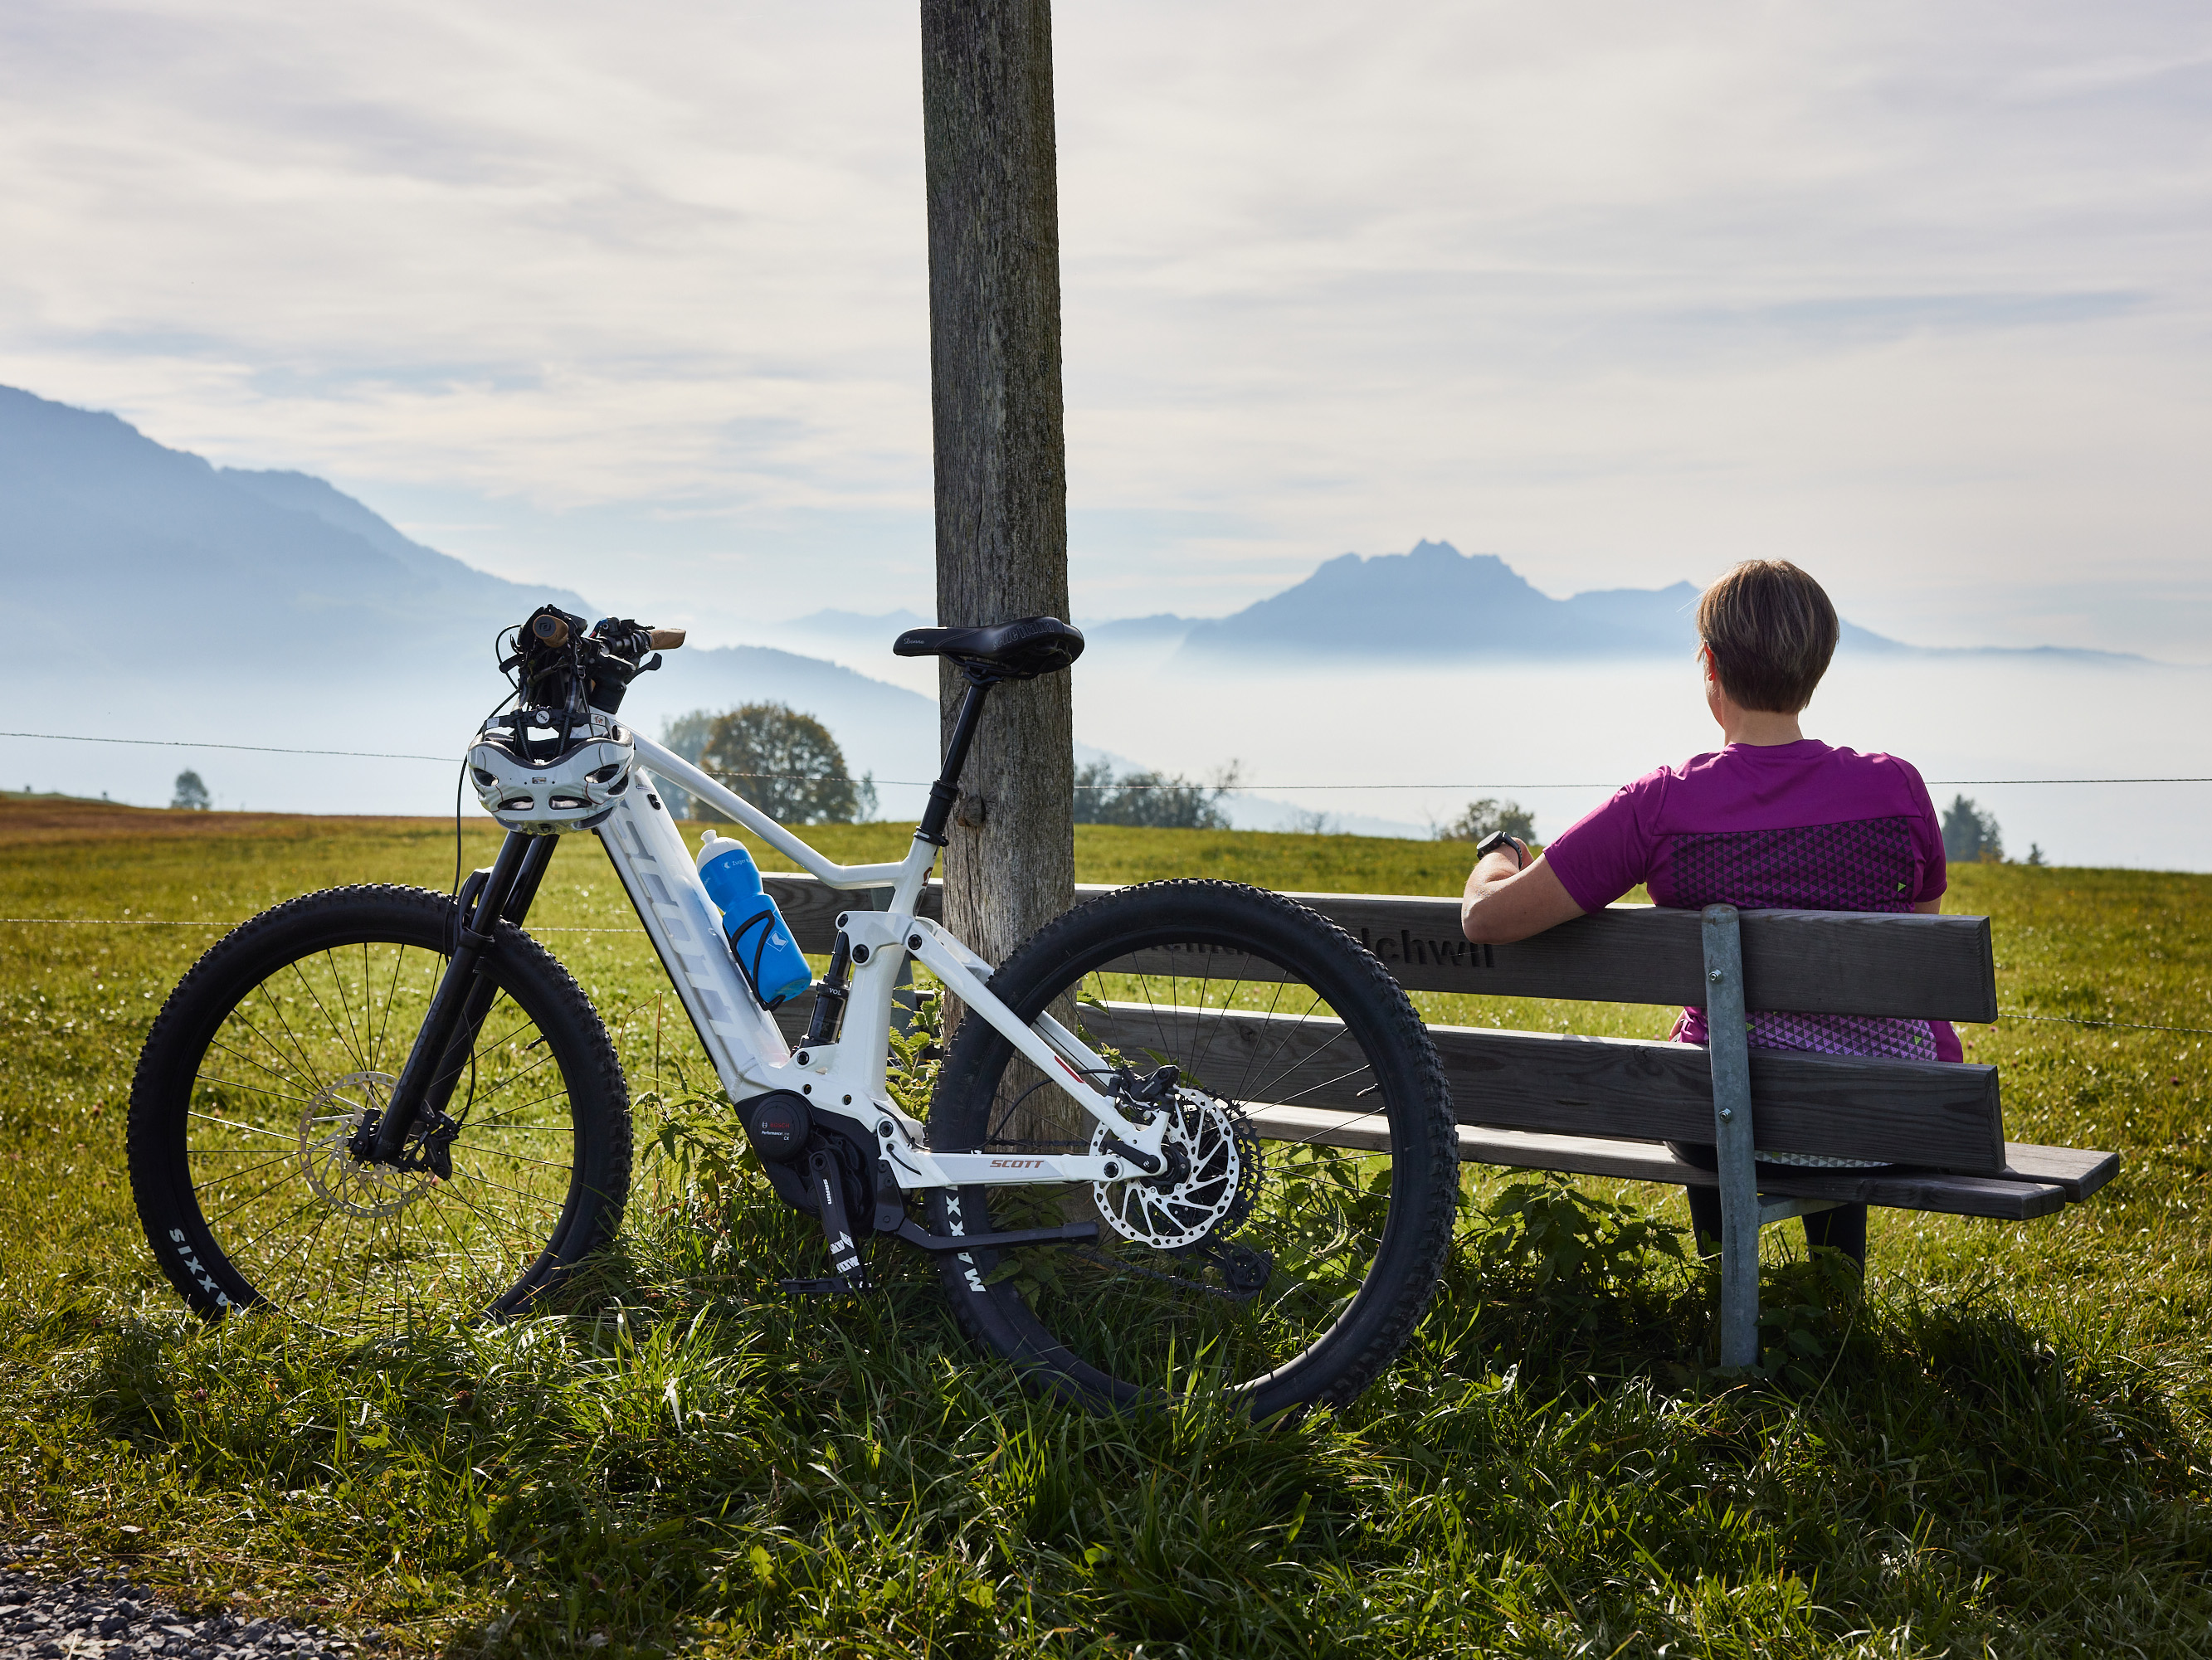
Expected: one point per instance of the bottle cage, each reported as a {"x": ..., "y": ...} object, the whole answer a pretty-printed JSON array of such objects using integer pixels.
[{"x": 764, "y": 920}]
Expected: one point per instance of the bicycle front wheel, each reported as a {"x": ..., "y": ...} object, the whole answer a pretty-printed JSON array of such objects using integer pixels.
[
  {"x": 271, "y": 1054},
  {"x": 1288, "y": 1251}
]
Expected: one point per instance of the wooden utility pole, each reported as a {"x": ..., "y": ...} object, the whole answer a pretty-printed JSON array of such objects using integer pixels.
[{"x": 1002, "y": 455}]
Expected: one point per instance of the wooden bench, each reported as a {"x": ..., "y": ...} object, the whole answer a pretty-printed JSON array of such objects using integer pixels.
[{"x": 1604, "y": 1106}]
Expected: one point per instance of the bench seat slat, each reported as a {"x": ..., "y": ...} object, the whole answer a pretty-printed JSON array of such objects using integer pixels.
[
  {"x": 2079, "y": 1170},
  {"x": 2003, "y": 1198},
  {"x": 1944, "y": 1116}
]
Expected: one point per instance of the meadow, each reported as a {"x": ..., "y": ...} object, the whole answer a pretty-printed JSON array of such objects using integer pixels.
[{"x": 2000, "y": 1444}]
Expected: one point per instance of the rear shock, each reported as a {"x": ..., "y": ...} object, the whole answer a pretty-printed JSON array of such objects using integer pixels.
[{"x": 829, "y": 995}]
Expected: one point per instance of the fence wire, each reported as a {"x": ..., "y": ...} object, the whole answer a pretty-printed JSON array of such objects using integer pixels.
[{"x": 1133, "y": 782}]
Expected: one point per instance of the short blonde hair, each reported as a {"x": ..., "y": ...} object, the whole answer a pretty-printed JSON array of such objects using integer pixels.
[{"x": 1771, "y": 632}]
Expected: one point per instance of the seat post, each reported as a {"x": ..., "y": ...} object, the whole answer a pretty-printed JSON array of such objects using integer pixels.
[{"x": 946, "y": 790}]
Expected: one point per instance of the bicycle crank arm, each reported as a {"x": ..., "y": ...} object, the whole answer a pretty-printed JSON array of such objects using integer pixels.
[{"x": 915, "y": 1234}]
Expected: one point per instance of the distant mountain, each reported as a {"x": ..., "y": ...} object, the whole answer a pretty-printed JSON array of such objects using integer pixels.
[
  {"x": 852, "y": 625},
  {"x": 136, "y": 556},
  {"x": 1436, "y": 603},
  {"x": 301, "y": 492},
  {"x": 153, "y": 595},
  {"x": 1160, "y": 628}
]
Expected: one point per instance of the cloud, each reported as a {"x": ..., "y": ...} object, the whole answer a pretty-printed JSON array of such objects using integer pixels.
[{"x": 1624, "y": 293}]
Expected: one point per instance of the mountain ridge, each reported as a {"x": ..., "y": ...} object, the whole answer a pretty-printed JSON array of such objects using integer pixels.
[{"x": 1436, "y": 601}]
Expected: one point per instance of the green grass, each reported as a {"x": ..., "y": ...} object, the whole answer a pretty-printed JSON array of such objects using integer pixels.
[{"x": 2003, "y": 1447}]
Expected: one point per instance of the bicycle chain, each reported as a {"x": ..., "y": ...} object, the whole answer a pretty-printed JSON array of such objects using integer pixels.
[{"x": 1138, "y": 1268}]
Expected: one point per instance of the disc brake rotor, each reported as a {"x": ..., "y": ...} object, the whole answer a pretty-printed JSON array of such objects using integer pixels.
[
  {"x": 327, "y": 1123},
  {"x": 1213, "y": 1171}
]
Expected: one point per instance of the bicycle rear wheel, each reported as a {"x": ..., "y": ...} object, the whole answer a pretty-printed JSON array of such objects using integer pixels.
[
  {"x": 1289, "y": 1251},
  {"x": 270, "y": 1055}
]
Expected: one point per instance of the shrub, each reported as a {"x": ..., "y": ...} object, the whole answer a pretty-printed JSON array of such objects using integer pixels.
[
  {"x": 1152, "y": 801},
  {"x": 1970, "y": 834},
  {"x": 1485, "y": 816}
]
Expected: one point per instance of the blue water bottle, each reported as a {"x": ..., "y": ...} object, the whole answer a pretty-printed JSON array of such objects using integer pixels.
[{"x": 767, "y": 956}]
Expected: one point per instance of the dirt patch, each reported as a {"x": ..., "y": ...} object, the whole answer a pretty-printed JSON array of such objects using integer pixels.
[{"x": 34, "y": 819}]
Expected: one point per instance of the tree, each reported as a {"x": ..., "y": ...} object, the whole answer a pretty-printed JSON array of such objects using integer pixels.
[
  {"x": 786, "y": 764},
  {"x": 1970, "y": 834},
  {"x": 1158, "y": 800},
  {"x": 191, "y": 795},
  {"x": 687, "y": 735},
  {"x": 1484, "y": 816},
  {"x": 995, "y": 404}
]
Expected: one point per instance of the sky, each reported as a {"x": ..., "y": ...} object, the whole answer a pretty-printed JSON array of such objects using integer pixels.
[{"x": 633, "y": 298}]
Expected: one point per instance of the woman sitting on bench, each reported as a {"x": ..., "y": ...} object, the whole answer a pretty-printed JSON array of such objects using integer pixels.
[{"x": 1774, "y": 820}]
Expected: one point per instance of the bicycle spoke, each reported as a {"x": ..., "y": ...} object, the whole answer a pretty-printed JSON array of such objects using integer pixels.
[
  {"x": 360, "y": 1061},
  {"x": 302, "y": 1053},
  {"x": 226, "y": 1123}
]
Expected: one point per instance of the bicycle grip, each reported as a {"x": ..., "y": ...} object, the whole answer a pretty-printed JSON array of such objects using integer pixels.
[
  {"x": 550, "y": 630},
  {"x": 665, "y": 639}
]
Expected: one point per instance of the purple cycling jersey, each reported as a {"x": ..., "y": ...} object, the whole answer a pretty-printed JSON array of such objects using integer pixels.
[{"x": 1782, "y": 826}]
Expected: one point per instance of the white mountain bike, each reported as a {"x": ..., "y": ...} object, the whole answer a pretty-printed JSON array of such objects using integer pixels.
[{"x": 1189, "y": 1135}]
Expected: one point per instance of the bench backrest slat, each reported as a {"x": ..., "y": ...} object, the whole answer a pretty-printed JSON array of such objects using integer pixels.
[
  {"x": 1911, "y": 1112},
  {"x": 1929, "y": 968}
]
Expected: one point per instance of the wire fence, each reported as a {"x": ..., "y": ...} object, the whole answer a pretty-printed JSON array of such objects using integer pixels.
[{"x": 1135, "y": 781}]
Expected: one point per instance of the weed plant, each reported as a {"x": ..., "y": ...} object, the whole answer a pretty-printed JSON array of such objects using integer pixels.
[{"x": 1998, "y": 1444}]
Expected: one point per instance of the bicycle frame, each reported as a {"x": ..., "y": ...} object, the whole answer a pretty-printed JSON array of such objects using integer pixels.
[{"x": 846, "y": 1077}]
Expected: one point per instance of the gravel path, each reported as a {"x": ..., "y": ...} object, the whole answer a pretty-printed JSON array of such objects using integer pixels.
[{"x": 87, "y": 1615}]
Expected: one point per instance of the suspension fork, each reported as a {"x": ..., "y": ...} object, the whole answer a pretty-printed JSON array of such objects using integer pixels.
[{"x": 464, "y": 996}]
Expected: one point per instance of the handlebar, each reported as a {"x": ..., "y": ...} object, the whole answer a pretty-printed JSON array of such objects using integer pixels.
[
  {"x": 551, "y": 629},
  {"x": 562, "y": 662}
]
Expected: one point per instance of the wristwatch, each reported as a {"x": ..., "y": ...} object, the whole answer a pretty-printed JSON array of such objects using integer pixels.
[{"x": 1497, "y": 839}]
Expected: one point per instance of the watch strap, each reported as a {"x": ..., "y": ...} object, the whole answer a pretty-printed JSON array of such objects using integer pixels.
[{"x": 1497, "y": 839}]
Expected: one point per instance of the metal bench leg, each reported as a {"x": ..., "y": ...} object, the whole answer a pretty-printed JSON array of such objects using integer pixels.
[{"x": 1730, "y": 1055}]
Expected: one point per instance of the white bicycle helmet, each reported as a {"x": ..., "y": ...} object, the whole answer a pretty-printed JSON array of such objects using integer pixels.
[{"x": 574, "y": 789}]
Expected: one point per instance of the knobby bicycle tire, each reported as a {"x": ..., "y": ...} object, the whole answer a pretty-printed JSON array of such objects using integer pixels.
[
  {"x": 266, "y": 1059},
  {"x": 1294, "y": 1044}
]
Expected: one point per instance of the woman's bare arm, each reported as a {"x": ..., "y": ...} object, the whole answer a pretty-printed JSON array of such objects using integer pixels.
[{"x": 1504, "y": 902}]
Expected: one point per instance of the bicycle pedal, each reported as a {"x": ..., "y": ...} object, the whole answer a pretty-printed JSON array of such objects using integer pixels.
[{"x": 831, "y": 1287}]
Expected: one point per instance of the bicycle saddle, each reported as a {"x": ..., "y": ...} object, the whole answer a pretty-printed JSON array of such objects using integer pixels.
[{"x": 1020, "y": 650}]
